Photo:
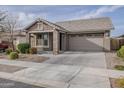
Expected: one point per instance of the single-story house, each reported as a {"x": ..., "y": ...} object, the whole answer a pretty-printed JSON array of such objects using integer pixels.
[
  {"x": 117, "y": 42},
  {"x": 75, "y": 35},
  {"x": 121, "y": 36},
  {"x": 19, "y": 36}
]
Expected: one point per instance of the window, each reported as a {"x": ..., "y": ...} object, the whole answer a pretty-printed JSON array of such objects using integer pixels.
[
  {"x": 45, "y": 39},
  {"x": 42, "y": 39}
]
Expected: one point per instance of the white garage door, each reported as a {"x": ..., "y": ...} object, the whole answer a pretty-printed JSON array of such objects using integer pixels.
[{"x": 81, "y": 43}]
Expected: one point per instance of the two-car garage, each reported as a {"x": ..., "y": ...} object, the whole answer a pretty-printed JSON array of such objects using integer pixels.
[
  {"x": 86, "y": 42},
  {"x": 88, "y": 34}
]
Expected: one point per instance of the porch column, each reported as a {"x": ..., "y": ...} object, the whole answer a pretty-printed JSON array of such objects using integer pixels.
[
  {"x": 55, "y": 42},
  {"x": 27, "y": 37}
]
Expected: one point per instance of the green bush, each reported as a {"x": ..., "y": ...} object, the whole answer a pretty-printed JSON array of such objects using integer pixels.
[
  {"x": 13, "y": 55},
  {"x": 120, "y": 83},
  {"x": 8, "y": 51},
  {"x": 119, "y": 67},
  {"x": 120, "y": 52},
  {"x": 33, "y": 50},
  {"x": 22, "y": 47}
]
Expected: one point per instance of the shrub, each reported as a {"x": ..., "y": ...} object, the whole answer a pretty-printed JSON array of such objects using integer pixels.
[
  {"x": 119, "y": 67},
  {"x": 17, "y": 51},
  {"x": 33, "y": 50},
  {"x": 22, "y": 47},
  {"x": 120, "y": 83},
  {"x": 13, "y": 55},
  {"x": 120, "y": 52},
  {"x": 8, "y": 51}
]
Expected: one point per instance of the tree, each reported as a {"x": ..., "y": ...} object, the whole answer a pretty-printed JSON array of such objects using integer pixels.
[
  {"x": 2, "y": 17},
  {"x": 11, "y": 23}
]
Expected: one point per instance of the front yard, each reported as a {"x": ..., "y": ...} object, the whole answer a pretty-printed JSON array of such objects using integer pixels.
[
  {"x": 26, "y": 57},
  {"x": 113, "y": 60},
  {"x": 116, "y": 63}
]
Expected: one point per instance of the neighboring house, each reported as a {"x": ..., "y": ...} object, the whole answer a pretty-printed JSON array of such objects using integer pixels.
[
  {"x": 18, "y": 36},
  {"x": 117, "y": 42},
  {"x": 121, "y": 37},
  {"x": 76, "y": 35}
]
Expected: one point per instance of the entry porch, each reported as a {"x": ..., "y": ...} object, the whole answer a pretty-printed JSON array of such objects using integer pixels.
[{"x": 52, "y": 40}]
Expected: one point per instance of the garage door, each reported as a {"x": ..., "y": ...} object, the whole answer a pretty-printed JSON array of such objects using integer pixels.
[{"x": 81, "y": 43}]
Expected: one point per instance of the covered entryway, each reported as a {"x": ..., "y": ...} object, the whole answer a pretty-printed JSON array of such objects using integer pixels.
[{"x": 85, "y": 43}]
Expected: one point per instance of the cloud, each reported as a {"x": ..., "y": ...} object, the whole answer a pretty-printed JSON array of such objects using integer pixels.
[
  {"x": 100, "y": 11},
  {"x": 26, "y": 18}
]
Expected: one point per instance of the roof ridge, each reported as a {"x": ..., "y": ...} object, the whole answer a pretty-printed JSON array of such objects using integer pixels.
[{"x": 83, "y": 19}]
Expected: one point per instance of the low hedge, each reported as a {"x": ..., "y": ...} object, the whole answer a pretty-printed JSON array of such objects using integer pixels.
[{"x": 13, "y": 55}]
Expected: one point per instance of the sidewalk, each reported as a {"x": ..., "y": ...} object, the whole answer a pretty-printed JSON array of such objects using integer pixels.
[{"x": 53, "y": 75}]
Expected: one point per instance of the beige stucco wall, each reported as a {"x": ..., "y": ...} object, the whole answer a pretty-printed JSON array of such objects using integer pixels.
[{"x": 107, "y": 43}]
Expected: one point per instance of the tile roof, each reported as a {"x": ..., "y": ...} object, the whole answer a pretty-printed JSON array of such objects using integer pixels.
[{"x": 94, "y": 24}]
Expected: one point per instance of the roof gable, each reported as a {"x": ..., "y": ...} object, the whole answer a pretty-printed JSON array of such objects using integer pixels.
[{"x": 54, "y": 26}]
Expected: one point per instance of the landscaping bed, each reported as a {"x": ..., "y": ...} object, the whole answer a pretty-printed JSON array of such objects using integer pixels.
[
  {"x": 116, "y": 63},
  {"x": 26, "y": 57},
  {"x": 117, "y": 83},
  {"x": 113, "y": 60},
  {"x": 32, "y": 58}
]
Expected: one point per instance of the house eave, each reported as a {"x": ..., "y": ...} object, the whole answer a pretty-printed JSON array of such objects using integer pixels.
[
  {"x": 89, "y": 31},
  {"x": 39, "y": 31}
]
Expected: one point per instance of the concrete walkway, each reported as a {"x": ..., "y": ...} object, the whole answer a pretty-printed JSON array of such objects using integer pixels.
[{"x": 74, "y": 70}]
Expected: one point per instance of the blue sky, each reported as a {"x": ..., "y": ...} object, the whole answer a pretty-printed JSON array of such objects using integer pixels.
[{"x": 52, "y": 13}]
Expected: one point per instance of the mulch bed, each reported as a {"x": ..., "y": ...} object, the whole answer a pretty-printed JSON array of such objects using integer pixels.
[
  {"x": 27, "y": 57},
  {"x": 32, "y": 58},
  {"x": 112, "y": 60}
]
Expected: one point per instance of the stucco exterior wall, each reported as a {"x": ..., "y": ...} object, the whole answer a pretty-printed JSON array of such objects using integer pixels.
[{"x": 106, "y": 42}]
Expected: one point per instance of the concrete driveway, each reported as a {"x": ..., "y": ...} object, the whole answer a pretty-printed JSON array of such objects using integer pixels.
[
  {"x": 70, "y": 69},
  {"x": 84, "y": 59}
]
